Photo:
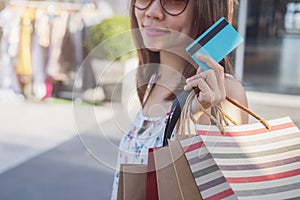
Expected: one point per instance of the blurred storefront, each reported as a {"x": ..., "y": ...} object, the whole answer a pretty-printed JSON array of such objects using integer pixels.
[
  {"x": 272, "y": 58},
  {"x": 55, "y": 30},
  {"x": 43, "y": 46}
]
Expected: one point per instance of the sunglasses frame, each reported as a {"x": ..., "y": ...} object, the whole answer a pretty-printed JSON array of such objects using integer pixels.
[{"x": 161, "y": 4}]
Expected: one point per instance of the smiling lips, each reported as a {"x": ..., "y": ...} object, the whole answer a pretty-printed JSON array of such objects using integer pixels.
[{"x": 155, "y": 32}]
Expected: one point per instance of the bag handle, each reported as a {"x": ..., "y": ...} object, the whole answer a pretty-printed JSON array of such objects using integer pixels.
[
  {"x": 174, "y": 115},
  {"x": 185, "y": 96},
  {"x": 250, "y": 112}
]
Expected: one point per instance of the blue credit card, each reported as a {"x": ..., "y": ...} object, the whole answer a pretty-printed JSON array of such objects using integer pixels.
[{"x": 217, "y": 42}]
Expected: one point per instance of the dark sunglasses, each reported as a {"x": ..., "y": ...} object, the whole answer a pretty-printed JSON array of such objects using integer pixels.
[{"x": 172, "y": 7}]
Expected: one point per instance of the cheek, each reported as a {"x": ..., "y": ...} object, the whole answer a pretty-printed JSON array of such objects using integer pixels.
[
  {"x": 183, "y": 23},
  {"x": 190, "y": 30},
  {"x": 187, "y": 21},
  {"x": 183, "y": 27},
  {"x": 189, "y": 24},
  {"x": 138, "y": 15}
]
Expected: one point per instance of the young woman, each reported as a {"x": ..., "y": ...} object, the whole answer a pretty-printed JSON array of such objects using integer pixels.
[{"x": 164, "y": 72}]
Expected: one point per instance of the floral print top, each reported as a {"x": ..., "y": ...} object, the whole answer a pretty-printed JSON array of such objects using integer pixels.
[{"x": 144, "y": 133}]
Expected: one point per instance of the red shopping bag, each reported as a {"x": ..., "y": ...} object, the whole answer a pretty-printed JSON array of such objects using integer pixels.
[{"x": 151, "y": 183}]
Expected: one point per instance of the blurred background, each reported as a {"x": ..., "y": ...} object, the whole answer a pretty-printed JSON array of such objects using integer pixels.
[
  {"x": 64, "y": 106},
  {"x": 44, "y": 43},
  {"x": 271, "y": 61}
]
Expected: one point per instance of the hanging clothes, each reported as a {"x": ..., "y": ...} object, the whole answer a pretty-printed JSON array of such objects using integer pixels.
[
  {"x": 59, "y": 26},
  {"x": 10, "y": 24},
  {"x": 67, "y": 59},
  {"x": 39, "y": 48},
  {"x": 76, "y": 27},
  {"x": 40, "y": 40},
  {"x": 24, "y": 67},
  {"x": 42, "y": 27}
]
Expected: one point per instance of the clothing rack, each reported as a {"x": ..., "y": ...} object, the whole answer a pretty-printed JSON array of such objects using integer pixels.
[
  {"x": 50, "y": 5},
  {"x": 44, "y": 54}
]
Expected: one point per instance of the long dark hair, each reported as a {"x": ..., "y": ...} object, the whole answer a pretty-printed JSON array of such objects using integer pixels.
[{"x": 207, "y": 12}]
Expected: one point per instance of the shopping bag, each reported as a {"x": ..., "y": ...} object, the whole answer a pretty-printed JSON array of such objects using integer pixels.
[
  {"x": 257, "y": 163},
  {"x": 151, "y": 181},
  {"x": 132, "y": 182},
  {"x": 208, "y": 177},
  {"x": 254, "y": 161},
  {"x": 173, "y": 176}
]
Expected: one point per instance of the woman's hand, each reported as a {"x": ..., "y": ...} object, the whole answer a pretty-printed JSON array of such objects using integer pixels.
[{"x": 210, "y": 83}]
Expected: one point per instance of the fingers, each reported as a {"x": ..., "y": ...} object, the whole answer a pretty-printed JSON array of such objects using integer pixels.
[
  {"x": 207, "y": 78},
  {"x": 217, "y": 68},
  {"x": 210, "y": 92},
  {"x": 214, "y": 65},
  {"x": 197, "y": 75},
  {"x": 210, "y": 82}
]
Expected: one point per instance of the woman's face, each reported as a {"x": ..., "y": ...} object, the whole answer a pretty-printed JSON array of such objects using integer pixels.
[{"x": 162, "y": 31}]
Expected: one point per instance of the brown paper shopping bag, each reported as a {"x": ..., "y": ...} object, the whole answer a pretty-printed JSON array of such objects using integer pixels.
[
  {"x": 132, "y": 182},
  {"x": 174, "y": 177}
]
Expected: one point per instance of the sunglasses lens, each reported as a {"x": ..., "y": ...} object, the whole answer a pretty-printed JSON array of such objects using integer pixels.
[
  {"x": 142, "y": 4},
  {"x": 174, "y": 7}
]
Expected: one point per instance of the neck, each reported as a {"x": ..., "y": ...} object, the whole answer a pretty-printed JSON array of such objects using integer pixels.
[
  {"x": 171, "y": 68},
  {"x": 172, "y": 60}
]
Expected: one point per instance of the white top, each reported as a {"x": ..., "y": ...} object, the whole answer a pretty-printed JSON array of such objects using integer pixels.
[{"x": 144, "y": 133}]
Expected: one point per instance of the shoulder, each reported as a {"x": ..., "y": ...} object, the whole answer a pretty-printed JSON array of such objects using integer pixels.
[
  {"x": 233, "y": 86},
  {"x": 236, "y": 91}
]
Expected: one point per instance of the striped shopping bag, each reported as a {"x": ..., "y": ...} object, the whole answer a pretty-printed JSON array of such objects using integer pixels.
[
  {"x": 209, "y": 178},
  {"x": 247, "y": 161},
  {"x": 253, "y": 161}
]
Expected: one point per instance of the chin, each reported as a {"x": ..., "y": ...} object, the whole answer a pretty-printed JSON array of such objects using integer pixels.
[
  {"x": 152, "y": 46},
  {"x": 155, "y": 44},
  {"x": 154, "y": 49}
]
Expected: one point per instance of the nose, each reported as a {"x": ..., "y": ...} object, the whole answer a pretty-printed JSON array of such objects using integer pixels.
[{"x": 155, "y": 10}]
